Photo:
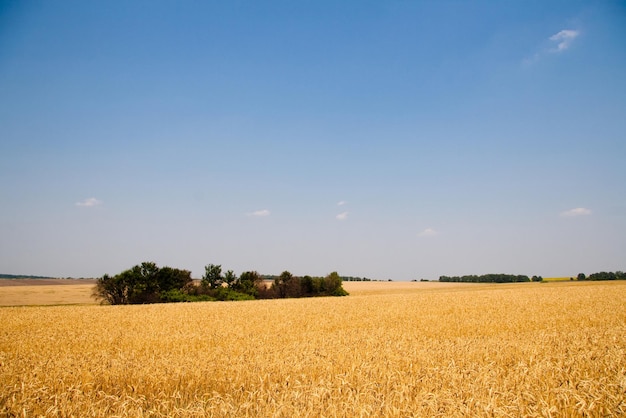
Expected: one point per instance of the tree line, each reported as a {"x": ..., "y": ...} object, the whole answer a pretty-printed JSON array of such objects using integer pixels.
[
  {"x": 490, "y": 278},
  {"x": 148, "y": 283},
  {"x": 603, "y": 275},
  {"x": 510, "y": 278},
  {"x": 22, "y": 276}
]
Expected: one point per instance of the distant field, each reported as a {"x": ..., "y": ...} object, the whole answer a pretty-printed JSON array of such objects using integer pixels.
[
  {"x": 63, "y": 292},
  {"x": 18, "y": 292},
  {"x": 14, "y": 292},
  {"x": 559, "y": 279},
  {"x": 390, "y": 349}
]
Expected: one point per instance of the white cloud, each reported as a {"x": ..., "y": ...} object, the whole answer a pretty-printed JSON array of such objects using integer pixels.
[
  {"x": 564, "y": 39},
  {"x": 576, "y": 212},
  {"x": 90, "y": 202},
  {"x": 260, "y": 213},
  {"x": 341, "y": 203},
  {"x": 428, "y": 232},
  {"x": 342, "y": 216}
]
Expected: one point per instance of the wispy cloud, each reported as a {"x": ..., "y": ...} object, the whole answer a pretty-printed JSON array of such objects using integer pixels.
[
  {"x": 259, "y": 213},
  {"x": 559, "y": 42},
  {"x": 428, "y": 232},
  {"x": 342, "y": 216},
  {"x": 576, "y": 212},
  {"x": 564, "y": 39},
  {"x": 88, "y": 203},
  {"x": 341, "y": 203}
]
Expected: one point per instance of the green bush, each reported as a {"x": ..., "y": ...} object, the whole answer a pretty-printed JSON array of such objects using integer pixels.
[
  {"x": 176, "y": 295},
  {"x": 224, "y": 293}
]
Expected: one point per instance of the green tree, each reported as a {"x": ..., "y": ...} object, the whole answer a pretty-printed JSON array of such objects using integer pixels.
[
  {"x": 143, "y": 283},
  {"x": 333, "y": 285},
  {"x": 249, "y": 283},
  {"x": 581, "y": 276},
  {"x": 212, "y": 278},
  {"x": 230, "y": 278},
  {"x": 111, "y": 290},
  {"x": 603, "y": 275},
  {"x": 286, "y": 285},
  {"x": 309, "y": 286},
  {"x": 170, "y": 278}
]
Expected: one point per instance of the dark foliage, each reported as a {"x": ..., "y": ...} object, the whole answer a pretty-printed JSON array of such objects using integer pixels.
[
  {"x": 288, "y": 286},
  {"x": 147, "y": 283},
  {"x": 603, "y": 275},
  {"x": 487, "y": 278},
  {"x": 143, "y": 283},
  {"x": 21, "y": 276}
]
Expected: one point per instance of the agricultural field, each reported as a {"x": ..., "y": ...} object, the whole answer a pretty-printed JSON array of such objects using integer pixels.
[
  {"x": 389, "y": 349},
  {"x": 15, "y": 292},
  {"x": 559, "y": 279}
]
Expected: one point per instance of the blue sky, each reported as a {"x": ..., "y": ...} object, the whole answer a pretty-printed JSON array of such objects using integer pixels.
[{"x": 393, "y": 140}]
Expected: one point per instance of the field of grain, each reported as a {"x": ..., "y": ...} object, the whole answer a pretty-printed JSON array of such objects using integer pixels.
[
  {"x": 432, "y": 349},
  {"x": 559, "y": 279},
  {"x": 15, "y": 292}
]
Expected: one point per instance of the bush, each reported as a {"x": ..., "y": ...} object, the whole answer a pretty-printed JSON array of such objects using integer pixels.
[
  {"x": 224, "y": 293},
  {"x": 176, "y": 295}
]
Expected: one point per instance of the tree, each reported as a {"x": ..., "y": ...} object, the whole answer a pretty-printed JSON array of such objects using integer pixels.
[
  {"x": 230, "y": 278},
  {"x": 111, "y": 290},
  {"x": 603, "y": 275},
  {"x": 581, "y": 276},
  {"x": 212, "y": 278},
  {"x": 143, "y": 283},
  {"x": 147, "y": 283},
  {"x": 249, "y": 282},
  {"x": 286, "y": 285},
  {"x": 333, "y": 286},
  {"x": 169, "y": 278},
  {"x": 487, "y": 278},
  {"x": 309, "y": 286}
]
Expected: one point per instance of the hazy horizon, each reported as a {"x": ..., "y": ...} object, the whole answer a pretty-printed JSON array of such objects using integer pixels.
[{"x": 390, "y": 140}]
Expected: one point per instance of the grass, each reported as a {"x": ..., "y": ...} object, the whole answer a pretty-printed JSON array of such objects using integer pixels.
[{"x": 389, "y": 349}]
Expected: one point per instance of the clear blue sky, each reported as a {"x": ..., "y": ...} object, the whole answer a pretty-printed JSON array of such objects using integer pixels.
[{"x": 387, "y": 139}]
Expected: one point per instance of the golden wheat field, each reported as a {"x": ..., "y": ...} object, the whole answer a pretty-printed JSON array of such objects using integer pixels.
[
  {"x": 45, "y": 292},
  {"x": 388, "y": 350}
]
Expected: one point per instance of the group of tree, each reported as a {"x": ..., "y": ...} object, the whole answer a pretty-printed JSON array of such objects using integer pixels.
[
  {"x": 603, "y": 275},
  {"x": 143, "y": 283},
  {"x": 147, "y": 283},
  {"x": 490, "y": 278},
  {"x": 356, "y": 279},
  {"x": 343, "y": 278},
  {"x": 22, "y": 276}
]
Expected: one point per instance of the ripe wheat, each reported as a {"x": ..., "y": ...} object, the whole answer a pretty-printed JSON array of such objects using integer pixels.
[{"x": 445, "y": 350}]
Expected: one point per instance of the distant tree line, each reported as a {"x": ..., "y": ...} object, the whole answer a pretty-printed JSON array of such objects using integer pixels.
[
  {"x": 343, "y": 278},
  {"x": 356, "y": 279},
  {"x": 147, "y": 283},
  {"x": 490, "y": 278},
  {"x": 603, "y": 275},
  {"x": 21, "y": 276}
]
